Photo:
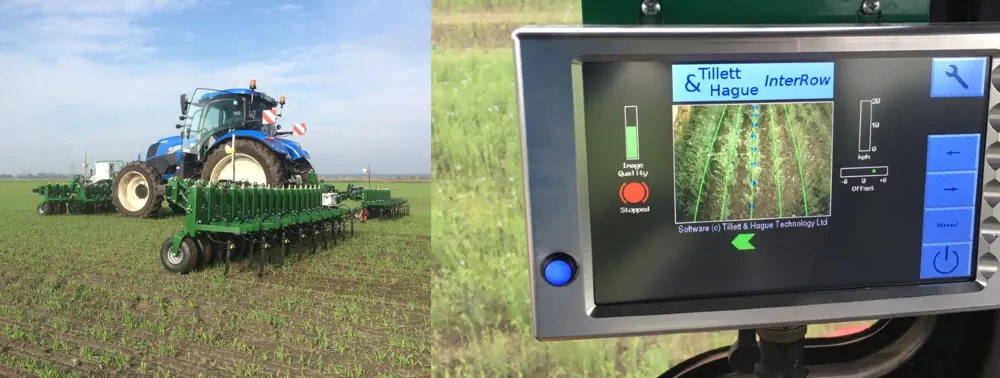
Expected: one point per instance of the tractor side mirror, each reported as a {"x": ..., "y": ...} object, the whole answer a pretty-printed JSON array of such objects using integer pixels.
[
  {"x": 184, "y": 103},
  {"x": 178, "y": 126}
]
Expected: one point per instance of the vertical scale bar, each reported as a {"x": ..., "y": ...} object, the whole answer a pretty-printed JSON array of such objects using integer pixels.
[
  {"x": 631, "y": 132},
  {"x": 865, "y": 126}
]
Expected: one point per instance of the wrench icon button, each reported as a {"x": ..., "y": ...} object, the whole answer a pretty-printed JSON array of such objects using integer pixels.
[{"x": 954, "y": 75}]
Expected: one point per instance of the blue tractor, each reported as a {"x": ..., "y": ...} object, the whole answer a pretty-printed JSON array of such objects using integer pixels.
[{"x": 222, "y": 137}]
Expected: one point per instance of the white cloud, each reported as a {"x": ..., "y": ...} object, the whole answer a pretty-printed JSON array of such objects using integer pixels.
[
  {"x": 366, "y": 100},
  {"x": 288, "y": 7}
]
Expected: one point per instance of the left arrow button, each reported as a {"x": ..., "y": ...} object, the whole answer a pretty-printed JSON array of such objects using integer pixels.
[{"x": 742, "y": 242}]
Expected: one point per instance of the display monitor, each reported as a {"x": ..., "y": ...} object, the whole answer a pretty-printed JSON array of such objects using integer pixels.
[{"x": 684, "y": 179}]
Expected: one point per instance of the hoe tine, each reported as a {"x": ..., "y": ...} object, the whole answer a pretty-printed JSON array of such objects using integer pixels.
[
  {"x": 335, "y": 230},
  {"x": 229, "y": 256},
  {"x": 312, "y": 240},
  {"x": 298, "y": 244},
  {"x": 284, "y": 246},
  {"x": 326, "y": 234},
  {"x": 263, "y": 255}
]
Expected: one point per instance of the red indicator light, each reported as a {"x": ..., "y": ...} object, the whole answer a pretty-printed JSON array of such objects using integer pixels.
[{"x": 633, "y": 192}]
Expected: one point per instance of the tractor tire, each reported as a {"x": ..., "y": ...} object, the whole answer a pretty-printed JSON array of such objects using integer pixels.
[
  {"x": 134, "y": 190},
  {"x": 45, "y": 209},
  {"x": 272, "y": 165},
  {"x": 185, "y": 261}
]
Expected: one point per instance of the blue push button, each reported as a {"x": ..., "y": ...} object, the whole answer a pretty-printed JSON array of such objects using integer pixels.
[
  {"x": 958, "y": 77},
  {"x": 946, "y": 260},
  {"x": 558, "y": 272},
  {"x": 948, "y": 225},
  {"x": 950, "y": 190},
  {"x": 954, "y": 152}
]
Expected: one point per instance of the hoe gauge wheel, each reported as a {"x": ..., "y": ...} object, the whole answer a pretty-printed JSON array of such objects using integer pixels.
[
  {"x": 174, "y": 259},
  {"x": 133, "y": 191},
  {"x": 247, "y": 169}
]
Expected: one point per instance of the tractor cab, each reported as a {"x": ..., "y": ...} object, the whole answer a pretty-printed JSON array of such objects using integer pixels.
[{"x": 210, "y": 113}]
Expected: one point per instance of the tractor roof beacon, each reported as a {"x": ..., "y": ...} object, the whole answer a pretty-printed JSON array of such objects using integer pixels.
[{"x": 225, "y": 135}]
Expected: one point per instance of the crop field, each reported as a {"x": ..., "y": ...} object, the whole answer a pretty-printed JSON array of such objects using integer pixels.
[
  {"x": 86, "y": 295},
  {"x": 752, "y": 161}
]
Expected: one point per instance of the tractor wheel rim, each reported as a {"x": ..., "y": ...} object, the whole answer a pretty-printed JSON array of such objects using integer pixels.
[
  {"x": 133, "y": 191},
  {"x": 173, "y": 258},
  {"x": 247, "y": 169}
]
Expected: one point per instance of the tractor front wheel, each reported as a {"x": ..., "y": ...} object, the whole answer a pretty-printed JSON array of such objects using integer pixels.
[
  {"x": 184, "y": 260},
  {"x": 251, "y": 162},
  {"x": 134, "y": 190}
]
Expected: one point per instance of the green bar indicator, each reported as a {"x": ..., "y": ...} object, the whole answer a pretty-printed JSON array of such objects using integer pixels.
[{"x": 631, "y": 132}]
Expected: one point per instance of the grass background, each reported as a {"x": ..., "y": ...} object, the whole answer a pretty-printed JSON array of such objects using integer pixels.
[
  {"x": 480, "y": 295},
  {"x": 86, "y": 295}
]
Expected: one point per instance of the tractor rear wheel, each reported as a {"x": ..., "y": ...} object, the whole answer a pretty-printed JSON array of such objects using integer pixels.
[
  {"x": 254, "y": 163},
  {"x": 134, "y": 190},
  {"x": 182, "y": 262}
]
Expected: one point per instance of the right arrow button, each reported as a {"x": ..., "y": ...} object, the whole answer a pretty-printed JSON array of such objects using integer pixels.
[{"x": 950, "y": 189}]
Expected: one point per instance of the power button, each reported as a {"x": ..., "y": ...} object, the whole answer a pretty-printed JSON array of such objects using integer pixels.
[{"x": 559, "y": 269}]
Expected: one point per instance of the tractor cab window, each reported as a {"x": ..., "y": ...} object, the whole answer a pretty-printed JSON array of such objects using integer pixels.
[
  {"x": 258, "y": 106},
  {"x": 222, "y": 115}
]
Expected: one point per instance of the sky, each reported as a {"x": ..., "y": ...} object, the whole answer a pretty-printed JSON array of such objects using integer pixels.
[{"x": 105, "y": 76}]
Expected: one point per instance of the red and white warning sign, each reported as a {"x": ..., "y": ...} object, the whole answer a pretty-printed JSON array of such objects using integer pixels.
[
  {"x": 269, "y": 117},
  {"x": 299, "y": 128}
]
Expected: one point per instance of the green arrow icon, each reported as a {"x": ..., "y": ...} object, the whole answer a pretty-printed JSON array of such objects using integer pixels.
[{"x": 742, "y": 242}]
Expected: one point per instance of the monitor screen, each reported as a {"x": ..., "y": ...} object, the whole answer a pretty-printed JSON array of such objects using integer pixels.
[{"x": 710, "y": 179}]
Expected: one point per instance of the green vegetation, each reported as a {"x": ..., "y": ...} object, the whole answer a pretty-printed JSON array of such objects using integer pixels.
[
  {"x": 777, "y": 158},
  {"x": 727, "y": 165},
  {"x": 810, "y": 129},
  {"x": 85, "y": 295},
  {"x": 745, "y": 179},
  {"x": 481, "y": 300}
]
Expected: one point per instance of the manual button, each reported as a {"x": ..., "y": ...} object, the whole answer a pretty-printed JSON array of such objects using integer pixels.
[
  {"x": 948, "y": 225},
  {"x": 952, "y": 152}
]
